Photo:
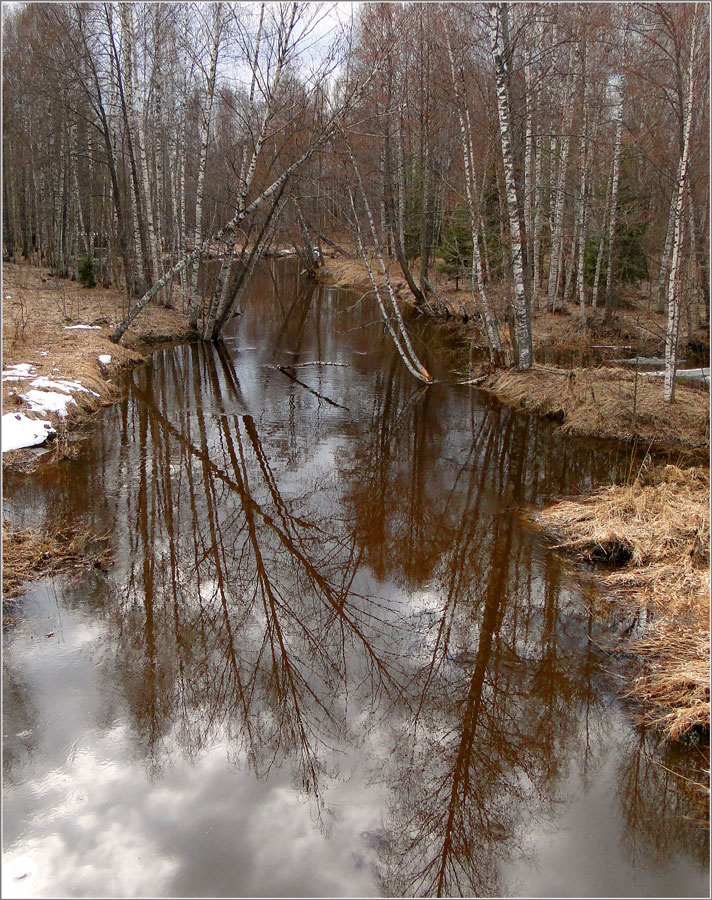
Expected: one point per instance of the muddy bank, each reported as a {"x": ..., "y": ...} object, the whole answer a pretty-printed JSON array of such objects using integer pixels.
[
  {"x": 59, "y": 365},
  {"x": 655, "y": 533}
]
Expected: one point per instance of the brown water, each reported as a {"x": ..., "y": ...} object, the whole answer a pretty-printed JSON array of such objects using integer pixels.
[{"x": 330, "y": 657}]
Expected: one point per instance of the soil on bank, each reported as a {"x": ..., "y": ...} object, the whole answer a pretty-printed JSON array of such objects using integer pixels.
[{"x": 42, "y": 315}]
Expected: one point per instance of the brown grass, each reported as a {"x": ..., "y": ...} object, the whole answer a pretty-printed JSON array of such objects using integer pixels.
[
  {"x": 30, "y": 553},
  {"x": 608, "y": 403},
  {"x": 34, "y": 317},
  {"x": 657, "y": 530}
]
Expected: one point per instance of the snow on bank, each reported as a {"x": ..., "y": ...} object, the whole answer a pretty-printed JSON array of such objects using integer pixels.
[
  {"x": 702, "y": 375},
  {"x": 61, "y": 384},
  {"x": 48, "y": 401},
  {"x": 87, "y": 327},
  {"x": 18, "y": 372},
  {"x": 18, "y": 431},
  {"x": 104, "y": 358},
  {"x": 56, "y": 397}
]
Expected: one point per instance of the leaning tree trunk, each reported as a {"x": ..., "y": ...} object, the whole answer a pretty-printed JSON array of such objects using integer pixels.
[
  {"x": 673, "y": 321},
  {"x": 399, "y": 334},
  {"x": 522, "y": 321}
]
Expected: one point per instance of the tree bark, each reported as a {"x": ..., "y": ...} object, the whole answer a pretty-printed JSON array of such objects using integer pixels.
[
  {"x": 202, "y": 164},
  {"x": 673, "y": 322},
  {"x": 491, "y": 330},
  {"x": 520, "y": 304}
]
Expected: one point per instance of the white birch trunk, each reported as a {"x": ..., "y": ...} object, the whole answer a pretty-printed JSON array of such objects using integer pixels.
[
  {"x": 618, "y": 114},
  {"x": 158, "y": 138},
  {"x": 557, "y": 234},
  {"x": 581, "y": 200},
  {"x": 202, "y": 165},
  {"x": 81, "y": 234},
  {"x": 673, "y": 322},
  {"x": 521, "y": 310},
  {"x": 665, "y": 260},
  {"x": 582, "y": 217},
  {"x": 491, "y": 330},
  {"x": 601, "y": 247}
]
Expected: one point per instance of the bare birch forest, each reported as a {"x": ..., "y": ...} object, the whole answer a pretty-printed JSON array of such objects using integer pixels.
[{"x": 553, "y": 154}]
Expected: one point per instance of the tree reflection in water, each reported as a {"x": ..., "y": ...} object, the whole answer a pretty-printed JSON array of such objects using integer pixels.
[{"x": 263, "y": 603}]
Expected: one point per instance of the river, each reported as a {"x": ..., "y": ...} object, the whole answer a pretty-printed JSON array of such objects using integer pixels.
[{"x": 331, "y": 658}]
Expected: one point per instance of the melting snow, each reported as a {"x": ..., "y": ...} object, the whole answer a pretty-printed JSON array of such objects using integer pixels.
[
  {"x": 48, "y": 401},
  {"x": 18, "y": 372},
  {"x": 60, "y": 384},
  {"x": 19, "y": 431},
  {"x": 104, "y": 358},
  {"x": 70, "y": 327}
]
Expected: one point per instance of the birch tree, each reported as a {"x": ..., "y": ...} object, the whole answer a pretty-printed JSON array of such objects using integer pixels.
[
  {"x": 673, "y": 300},
  {"x": 491, "y": 331},
  {"x": 522, "y": 320},
  {"x": 619, "y": 94},
  {"x": 216, "y": 34}
]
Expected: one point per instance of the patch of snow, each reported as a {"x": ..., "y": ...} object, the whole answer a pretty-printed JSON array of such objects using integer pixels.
[
  {"x": 61, "y": 384},
  {"x": 18, "y": 372},
  {"x": 48, "y": 401},
  {"x": 19, "y": 431},
  {"x": 695, "y": 374},
  {"x": 88, "y": 327},
  {"x": 104, "y": 358},
  {"x": 44, "y": 352}
]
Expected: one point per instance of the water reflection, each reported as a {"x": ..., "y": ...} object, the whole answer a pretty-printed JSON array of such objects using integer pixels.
[{"x": 347, "y": 593}]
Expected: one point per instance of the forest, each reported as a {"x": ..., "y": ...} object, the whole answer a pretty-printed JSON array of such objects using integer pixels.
[
  {"x": 356, "y": 422},
  {"x": 556, "y": 153}
]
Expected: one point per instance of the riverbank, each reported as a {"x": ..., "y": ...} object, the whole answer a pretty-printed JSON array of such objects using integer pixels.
[
  {"x": 609, "y": 403},
  {"x": 59, "y": 370},
  {"x": 56, "y": 342},
  {"x": 635, "y": 327},
  {"x": 650, "y": 537},
  {"x": 59, "y": 365}
]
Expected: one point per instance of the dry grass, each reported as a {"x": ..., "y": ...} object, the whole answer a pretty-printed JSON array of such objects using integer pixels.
[
  {"x": 36, "y": 307},
  {"x": 608, "y": 403},
  {"x": 657, "y": 530},
  {"x": 29, "y": 554}
]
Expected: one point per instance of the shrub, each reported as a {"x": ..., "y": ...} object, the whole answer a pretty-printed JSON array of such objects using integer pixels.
[{"x": 85, "y": 272}]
